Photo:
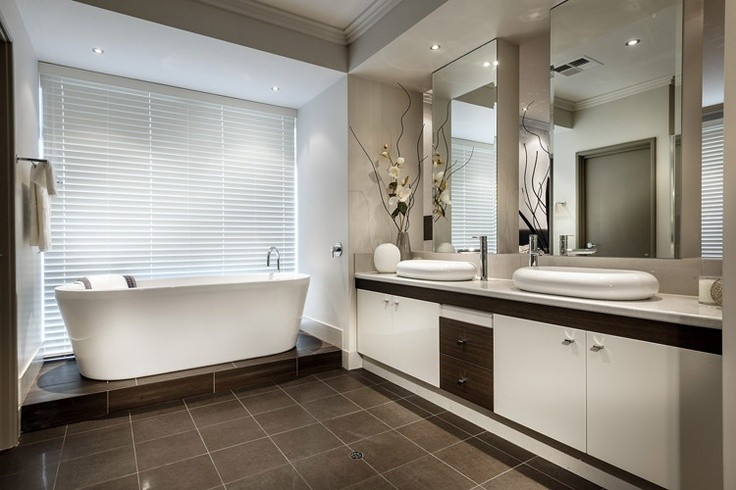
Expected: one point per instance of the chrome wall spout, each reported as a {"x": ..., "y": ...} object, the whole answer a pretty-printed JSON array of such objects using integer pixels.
[
  {"x": 534, "y": 250},
  {"x": 483, "y": 257},
  {"x": 278, "y": 258}
]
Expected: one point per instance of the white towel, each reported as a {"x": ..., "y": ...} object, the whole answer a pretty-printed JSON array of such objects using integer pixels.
[
  {"x": 43, "y": 185},
  {"x": 108, "y": 281}
]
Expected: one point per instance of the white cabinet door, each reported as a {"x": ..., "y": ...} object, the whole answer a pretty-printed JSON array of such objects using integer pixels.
[
  {"x": 655, "y": 411},
  {"x": 374, "y": 325},
  {"x": 539, "y": 377},
  {"x": 416, "y": 340}
]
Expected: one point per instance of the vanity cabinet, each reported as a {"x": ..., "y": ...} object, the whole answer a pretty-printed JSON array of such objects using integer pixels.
[
  {"x": 539, "y": 377},
  {"x": 650, "y": 409},
  {"x": 402, "y": 333}
]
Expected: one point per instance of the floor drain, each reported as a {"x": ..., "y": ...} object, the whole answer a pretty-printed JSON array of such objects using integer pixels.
[{"x": 356, "y": 455}]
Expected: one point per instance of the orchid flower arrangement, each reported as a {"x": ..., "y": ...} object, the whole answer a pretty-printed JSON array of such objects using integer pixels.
[{"x": 395, "y": 183}]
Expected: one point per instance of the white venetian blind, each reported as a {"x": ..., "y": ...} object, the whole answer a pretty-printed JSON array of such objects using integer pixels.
[
  {"x": 473, "y": 194},
  {"x": 712, "y": 189},
  {"x": 159, "y": 185}
]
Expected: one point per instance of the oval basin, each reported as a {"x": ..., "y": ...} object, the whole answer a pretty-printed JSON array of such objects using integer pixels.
[
  {"x": 580, "y": 282},
  {"x": 436, "y": 270}
]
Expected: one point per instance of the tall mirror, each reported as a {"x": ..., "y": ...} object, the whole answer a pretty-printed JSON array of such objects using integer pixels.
[
  {"x": 616, "y": 72},
  {"x": 464, "y": 169}
]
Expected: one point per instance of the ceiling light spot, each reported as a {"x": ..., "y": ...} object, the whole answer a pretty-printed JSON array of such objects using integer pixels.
[
  {"x": 435, "y": 47},
  {"x": 633, "y": 42},
  {"x": 275, "y": 88},
  {"x": 486, "y": 64},
  {"x": 97, "y": 50},
  {"x": 495, "y": 63}
]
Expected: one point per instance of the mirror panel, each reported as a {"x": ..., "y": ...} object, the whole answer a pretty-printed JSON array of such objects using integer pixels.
[
  {"x": 464, "y": 166},
  {"x": 616, "y": 71}
]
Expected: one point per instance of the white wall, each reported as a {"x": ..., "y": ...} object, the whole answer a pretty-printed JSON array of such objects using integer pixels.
[
  {"x": 322, "y": 183},
  {"x": 628, "y": 119},
  {"x": 729, "y": 254},
  {"x": 28, "y": 261}
]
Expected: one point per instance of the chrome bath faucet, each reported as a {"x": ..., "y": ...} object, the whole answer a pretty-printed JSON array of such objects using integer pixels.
[{"x": 278, "y": 258}]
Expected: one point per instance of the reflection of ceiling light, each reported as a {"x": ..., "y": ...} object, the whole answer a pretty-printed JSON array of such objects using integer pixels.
[
  {"x": 633, "y": 42},
  {"x": 435, "y": 47},
  {"x": 486, "y": 64},
  {"x": 275, "y": 88},
  {"x": 97, "y": 51},
  {"x": 495, "y": 63}
]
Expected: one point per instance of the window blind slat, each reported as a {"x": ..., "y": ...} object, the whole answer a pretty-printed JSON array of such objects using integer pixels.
[
  {"x": 158, "y": 186},
  {"x": 712, "y": 190}
]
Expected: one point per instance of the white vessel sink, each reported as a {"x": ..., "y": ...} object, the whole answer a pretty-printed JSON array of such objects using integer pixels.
[
  {"x": 436, "y": 270},
  {"x": 587, "y": 283}
]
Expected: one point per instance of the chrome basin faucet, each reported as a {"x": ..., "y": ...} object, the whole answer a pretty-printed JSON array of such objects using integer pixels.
[
  {"x": 278, "y": 258},
  {"x": 483, "y": 257},
  {"x": 534, "y": 250}
]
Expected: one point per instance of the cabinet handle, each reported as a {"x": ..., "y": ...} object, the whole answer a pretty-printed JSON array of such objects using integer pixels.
[
  {"x": 462, "y": 341},
  {"x": 568, "y": 341},
  {"x": 596, "y": 348},
  {"x": 462, "y": 381}
]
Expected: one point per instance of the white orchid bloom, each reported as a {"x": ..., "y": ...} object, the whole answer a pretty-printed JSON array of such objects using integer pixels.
[
  {"x": 403, "y": 193},
  {"x": 445, "y": 197},
  {"x": 400, "y": 161},
  {"x": 437, "y": 176},
  {"x": 393, "y": 201},
  {"x": 394, "y": 171}
]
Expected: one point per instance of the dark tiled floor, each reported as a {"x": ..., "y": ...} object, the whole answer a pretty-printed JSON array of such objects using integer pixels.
[
  {"x": 294, "y": 435},
  {"x": 61, "y": 395}
]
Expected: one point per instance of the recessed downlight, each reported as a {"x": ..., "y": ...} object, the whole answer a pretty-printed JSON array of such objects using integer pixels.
[
  {"x": 486, "y": 64},
  {"x": 98, "y": 50},
  {"x": 435, "y": 47},
  {"x": 633, "y": 42},
  {"x": 275, "y": 88},
  {"x": 495, "y": 63}
]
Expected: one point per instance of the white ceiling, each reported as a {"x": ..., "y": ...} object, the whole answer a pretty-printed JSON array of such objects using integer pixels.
[
  {"x": 64, "y": 32},
  {"x": 336, "y": 14}
]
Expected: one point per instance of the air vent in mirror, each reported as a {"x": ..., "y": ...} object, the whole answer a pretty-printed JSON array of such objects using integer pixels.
[{"x": 576, "y": 66}]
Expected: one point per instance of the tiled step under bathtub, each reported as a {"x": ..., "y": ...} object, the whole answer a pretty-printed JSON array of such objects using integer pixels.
[{"x": 60, "y": 395}]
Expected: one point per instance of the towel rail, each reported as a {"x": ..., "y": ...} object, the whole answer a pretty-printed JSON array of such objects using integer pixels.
[{"x": 34, "y": 161}]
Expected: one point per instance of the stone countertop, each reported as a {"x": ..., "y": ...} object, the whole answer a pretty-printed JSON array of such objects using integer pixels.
[{"x": 670, "y": 308}]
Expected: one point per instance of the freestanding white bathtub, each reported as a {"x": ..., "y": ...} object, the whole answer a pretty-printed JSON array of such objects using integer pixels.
[{"x": 168, "y": 325}]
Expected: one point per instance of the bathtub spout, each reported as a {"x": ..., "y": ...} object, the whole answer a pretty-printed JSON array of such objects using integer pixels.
[{"x": 278, "y": 258}]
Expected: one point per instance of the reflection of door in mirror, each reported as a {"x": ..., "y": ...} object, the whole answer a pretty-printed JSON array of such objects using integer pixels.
[{"x": 616, "y": 200}]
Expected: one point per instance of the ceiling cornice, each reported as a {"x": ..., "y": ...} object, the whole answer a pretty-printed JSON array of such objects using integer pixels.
[
  {"x": 276, "y": 16},
  {"x": 623, "y": 92}
]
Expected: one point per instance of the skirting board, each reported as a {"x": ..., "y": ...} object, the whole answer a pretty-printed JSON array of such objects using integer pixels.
[
  {"x": 327, "y": 333},
  {"x": 28, "y": 376},
  {"x": 443, "y": 400}
]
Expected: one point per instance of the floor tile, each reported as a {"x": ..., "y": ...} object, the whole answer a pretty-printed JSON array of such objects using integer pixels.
[
  {"x": 461, "y": 423},
  {"x": 477, "y": 460},
  {"x": 306, "y": 441},
  {"x": 427, "y": 474},
  {"x": 191, "y": 474},
  {"x": 129, "y": 482},
  {"x": 367, "y": 376},
  {"x": 231, "y": 433},
  {"x": 238, "y": 462},
  {"x": 42, "y": 435},
  {"x": 156, "y": 410},
  {"x": 398, "y": 390},
  {"x": 32, "y": 457},
  {"x": 561, "y": 474},
  {"x": 331, "y": 407},
  {"x": 371, "y": 396},
  {"x": 35, "y": 479},
  {"x": 97, "y": 441},
  {"x": 345, "y": 382},
  {"x": 374, "y": 483},
  {"x": 398, "y": 413},
  {"x": 356, "y": 426},
  {"x": 209, "y": 399},
  {"x": 220, "y": 412},
  {"x": 524, "y": 478},
  {"x": 433, "y": 434},
  {"x": 331, "y": 374},
  {"x": 101, "y": 423},
  {"x": 257, "y": 391},
  {"x": 97, "y": 468},
  {"x": 388, "y": 450},
  {"x": 506, "y": 446},
  {"x": 308, "y": 392},
  {"x": 285, "y": 477},
  {"x": 425, "y": 405},
  {"x": 266, "y": 402},
  {"x": 333, "y": 470},
  {"x": 299, "y": 381},
  {"x": 284, "y": 419},
  {"x": 170, "y": 449},
  {"x": 163, "y": 425}
]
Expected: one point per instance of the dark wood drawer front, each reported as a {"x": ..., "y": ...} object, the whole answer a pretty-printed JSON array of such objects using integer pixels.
[
  {"x": 467, "y": 381},
  {"x": 467, "y": 342}
]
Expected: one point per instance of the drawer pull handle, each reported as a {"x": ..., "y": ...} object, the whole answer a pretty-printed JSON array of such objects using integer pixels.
[
  {"x": 462, "y": 341},
  {"x": 462, "y": 381},
  {"x": 568, "y": 341},
  {"x": 596, "y": 348}
]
